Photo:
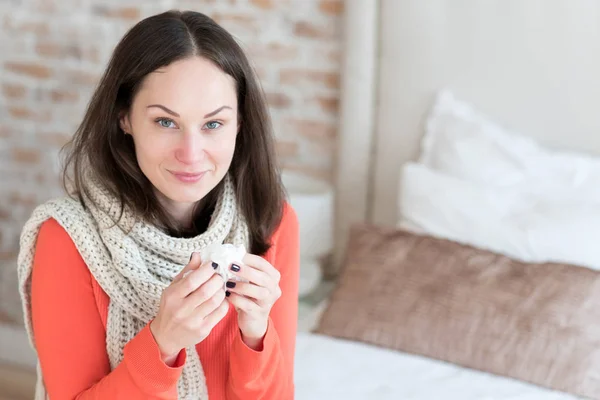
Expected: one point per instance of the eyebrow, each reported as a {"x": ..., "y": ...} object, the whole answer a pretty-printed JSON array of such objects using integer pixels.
[{"x": 210, "y": 114}]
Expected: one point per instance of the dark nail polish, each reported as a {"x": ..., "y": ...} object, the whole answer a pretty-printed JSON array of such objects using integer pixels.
[
  {"x": 230, "y": 284},
  {"x": 227, "y": 293},
  {"x": 235, "y": 268},
  {"x": 215, "y": 265}
]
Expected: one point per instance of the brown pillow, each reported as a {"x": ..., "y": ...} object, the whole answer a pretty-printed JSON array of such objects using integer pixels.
[{"x": 538, "y": 323}]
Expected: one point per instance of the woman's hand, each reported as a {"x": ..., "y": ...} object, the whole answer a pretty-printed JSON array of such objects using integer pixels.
[
  {"x": 253, "y": 300},
  {"x": 189, "y": 308}
]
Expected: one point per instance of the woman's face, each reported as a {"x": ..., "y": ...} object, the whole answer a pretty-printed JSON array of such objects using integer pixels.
[{"x": 184, "y": 125}]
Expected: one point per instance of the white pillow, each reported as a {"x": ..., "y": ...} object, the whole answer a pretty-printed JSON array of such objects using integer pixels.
[
  {"x": 512, "y": 220},
  {"x": 462, "y": 142},
  {"x": 479, "y": 184}
]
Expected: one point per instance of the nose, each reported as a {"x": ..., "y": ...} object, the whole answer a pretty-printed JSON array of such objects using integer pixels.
[{"x": 190, "y": 149}]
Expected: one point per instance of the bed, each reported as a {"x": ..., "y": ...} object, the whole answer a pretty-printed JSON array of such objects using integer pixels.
[
  {"x": 330, "y": 368},
  {"x": 523, "y": 75}
]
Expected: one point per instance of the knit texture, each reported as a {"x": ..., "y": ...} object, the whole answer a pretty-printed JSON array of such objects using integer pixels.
[{"x": 132, "y": 261}]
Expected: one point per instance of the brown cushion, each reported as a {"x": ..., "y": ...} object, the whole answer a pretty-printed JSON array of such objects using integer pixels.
[{"x": 538, "y": 323}]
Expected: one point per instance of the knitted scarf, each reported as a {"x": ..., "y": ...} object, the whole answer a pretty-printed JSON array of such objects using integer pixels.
[{"x": 132, "y": 261}]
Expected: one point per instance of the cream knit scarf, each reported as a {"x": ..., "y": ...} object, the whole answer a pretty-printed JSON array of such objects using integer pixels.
[{"x": 133, "y": 262}]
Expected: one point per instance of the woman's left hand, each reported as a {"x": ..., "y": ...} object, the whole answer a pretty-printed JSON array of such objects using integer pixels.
[{"x": 253, "y": 300}]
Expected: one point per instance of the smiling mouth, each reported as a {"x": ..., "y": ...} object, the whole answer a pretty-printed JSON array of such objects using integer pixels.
[{"x": 188, "y": 177}]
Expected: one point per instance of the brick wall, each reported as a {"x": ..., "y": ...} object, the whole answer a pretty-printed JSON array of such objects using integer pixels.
[{"x": 55, "y": 50}]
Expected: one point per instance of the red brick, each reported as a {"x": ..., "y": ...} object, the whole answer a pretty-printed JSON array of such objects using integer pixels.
[
  {"x": 321, "y": 147},
  {"x": 64, "y": 96},
  {"x": 126, "y": 13},
  {"x": 5, "y": 133},
  {"x": 332, "y": 7},
  {"x": 48, "y": 49},
  {"x": 293, "y": 76},
  {"x": 8, "y": 255},
  {"x": 329, "y": 55},
  {"x": 335, "y": 56},
  {"x": 55, "y": 138},
  {"x": 232, "y": 21},
  {"x": 67, "y": 50},
  {"x": 273, "y": 52},
  {"x": 40, "y": 179},
  {"x": 21, "y": 199},
  {"x": 312, "y": 129},
  {"x": 80, "y": 77},
  {"x": 261, "y": 72},
  {"x": 286, "y": 149},
  {"x": 33, "y": 70},
  {"x": 20, "y": 112},
  {"x": 328, "y": 104},
  {"x": 244, "y": 18},
  {"x": 27, "y": 156},
  {"x": 312, "y": 31},
  {"x": 278, "y": 100},
  {"x": 24, "y": 112},
  {"x": 5, "y": 318},
  {"x": 38, "y": 28},
  {"x": 196, "y": 4},
  {"x": 14, "y": 91},
  {"x": 264, "y": 4}
]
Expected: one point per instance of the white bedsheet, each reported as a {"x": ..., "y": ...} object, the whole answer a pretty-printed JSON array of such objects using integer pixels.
[{"x": 329, "y": 368}]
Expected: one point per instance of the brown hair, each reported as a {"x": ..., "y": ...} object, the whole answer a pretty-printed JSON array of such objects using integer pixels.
[{"x": 100, "y": 146}]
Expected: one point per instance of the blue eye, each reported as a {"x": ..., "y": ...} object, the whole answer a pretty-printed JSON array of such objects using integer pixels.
[
  {"x": 165, "y": 122},
  {"x": 212, "y": 125}
]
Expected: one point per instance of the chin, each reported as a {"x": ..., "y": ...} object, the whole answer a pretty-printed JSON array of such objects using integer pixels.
[
  {"x": 185, "y": 193},
  {"x": 186, "y": 199}
]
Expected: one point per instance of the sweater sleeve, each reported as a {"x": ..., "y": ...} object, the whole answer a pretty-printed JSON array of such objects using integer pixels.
[
  {"x": 268, "y": 374},
  {"x": 70, "y": 337}
]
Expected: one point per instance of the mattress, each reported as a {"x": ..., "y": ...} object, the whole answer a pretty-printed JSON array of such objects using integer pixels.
[{"x": 329, "y": 368}]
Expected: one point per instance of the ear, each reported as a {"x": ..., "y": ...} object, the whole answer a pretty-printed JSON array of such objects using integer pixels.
[{"x": 125, "y": 124}]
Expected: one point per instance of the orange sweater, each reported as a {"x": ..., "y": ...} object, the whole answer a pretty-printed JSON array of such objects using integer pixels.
[{"x": 69, "y": 313}]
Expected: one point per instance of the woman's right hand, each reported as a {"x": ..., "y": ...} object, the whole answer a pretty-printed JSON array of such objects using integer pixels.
[{"x": 189, "y": 309}]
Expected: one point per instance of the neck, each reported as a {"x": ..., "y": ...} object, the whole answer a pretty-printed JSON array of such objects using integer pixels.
[
  {"x": 183, "y": 216},
  {"x": 190, "y": 219},
  {"x": 181, "y": 213}
]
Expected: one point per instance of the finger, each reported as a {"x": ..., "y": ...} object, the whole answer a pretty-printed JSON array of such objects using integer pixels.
[
  {"x": 243, "y": 303},
  {"x": 204, "y": 292},
  {"x": 253, "y": 275},
  {"x": 212, "y": 319},
  {"x": 211, "y": 304},
  {"x": 193, "y": 280},
  {"x": 262, "y": 296},
  {"x": 194, "y": 263},
  {"x": 261, "y": 264}
]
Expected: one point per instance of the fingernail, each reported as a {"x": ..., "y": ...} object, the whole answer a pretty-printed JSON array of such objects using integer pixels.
[
  {"x": 192, "y": 256},
  {"x": 227, "y": 293},
  {"x": 235, "y": 268},
  {"x": 230, "y": 284},
  {"x": 215, "y": 265}
]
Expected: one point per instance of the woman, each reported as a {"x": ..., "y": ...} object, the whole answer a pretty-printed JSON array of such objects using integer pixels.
[{"x": 175, "y": 153}]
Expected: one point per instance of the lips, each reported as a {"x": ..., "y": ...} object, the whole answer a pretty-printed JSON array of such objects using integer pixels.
[
  {"x": 187, "y": 173},
  {"x": 188, "y": 177}
]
